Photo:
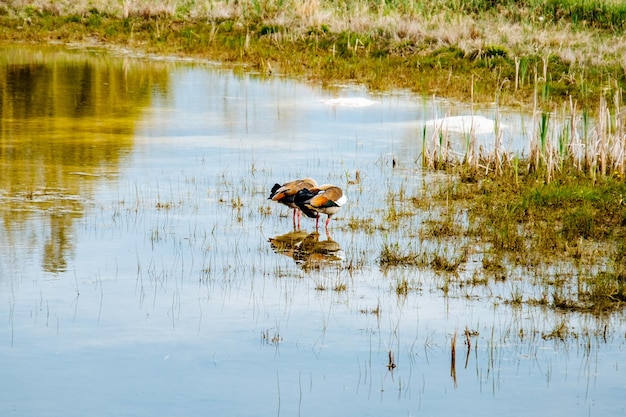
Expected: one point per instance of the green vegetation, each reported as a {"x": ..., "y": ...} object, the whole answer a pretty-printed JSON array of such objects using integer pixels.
[
  {"x": 482, "y": 50},
  {"x": 567, "y": 236}
]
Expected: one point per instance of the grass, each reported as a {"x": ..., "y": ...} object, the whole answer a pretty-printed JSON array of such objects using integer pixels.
[
  {"x": 392, "y": 255},
  {"x": 573, "y": 220},
  {"x": 428, "y": 47},
  {"x": 561, "y": 222}
]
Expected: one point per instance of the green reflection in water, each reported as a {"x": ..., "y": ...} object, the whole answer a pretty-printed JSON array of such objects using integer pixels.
[{"x": 67, "y": 121}]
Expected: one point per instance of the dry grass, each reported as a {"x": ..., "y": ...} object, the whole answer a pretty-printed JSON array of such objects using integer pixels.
[
  {"x": 522, "y": 30},
  {"x": 477, "y": 50}
]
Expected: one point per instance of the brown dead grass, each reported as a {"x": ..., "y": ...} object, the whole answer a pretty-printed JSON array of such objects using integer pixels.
[{"x": 439, "y": 27}]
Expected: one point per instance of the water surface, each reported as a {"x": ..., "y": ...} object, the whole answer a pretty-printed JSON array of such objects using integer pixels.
[{"x": 144, "y": 272}]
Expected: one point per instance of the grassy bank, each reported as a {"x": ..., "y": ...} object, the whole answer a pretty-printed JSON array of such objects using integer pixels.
[{"x": 469, "y": 50}]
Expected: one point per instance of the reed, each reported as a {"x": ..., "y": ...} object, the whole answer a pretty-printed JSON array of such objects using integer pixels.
[{"x": 561, "y": 141}]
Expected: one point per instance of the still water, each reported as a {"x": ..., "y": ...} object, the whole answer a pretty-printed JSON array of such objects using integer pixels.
[{"x": 144, "y": 272}]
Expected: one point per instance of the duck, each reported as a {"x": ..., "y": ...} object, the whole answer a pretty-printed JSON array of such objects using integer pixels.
[
  {"x": 285, "y": 194},
  {"x": 326, "y": 199}
]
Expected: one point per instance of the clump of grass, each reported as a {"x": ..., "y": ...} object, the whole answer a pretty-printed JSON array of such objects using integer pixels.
[
  {"x": 479, "y": 279},
  {"x": 578, "y": 223},
  {"x": 337, "y": 287},
  {"x": 521, "y": 218},
  {"x": 164, "y": 205},
  {"x": 391, "y": 255},
  {"x": 440, "y": 228},
  {"x": 494, "y": 266},
  {"x": 402, "y": 287},
  {"x": 560, "y": 331},
  {"x": 265, "y": 210},
  {"x": 561, "y": 141},
  {"x": 271, "y": 337},
  {"x": 605, "y": 290},
  {"x": 367, "y": 225},
  {"x": 517, "y": 297},
  {"x": 374, "y": 311},
  {"x": 448, "y": 264},
  {"x": 394, "y": 215}
]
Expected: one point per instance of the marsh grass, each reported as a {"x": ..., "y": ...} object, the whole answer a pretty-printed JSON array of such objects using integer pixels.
[
  {"x": 557, "y": 214},
  {"x": 573, "y": 222},
  {"x": 392, "y": 255},
  {"x": 429, "y": 48},
  {"x": 435, "y": 258},
  {"x": 402, "y": 287},
  {"x": 441, "y": 227},
  {"x": 560, "y": 331},
  {"x": 604, "y": 290},
  {"x": 405, "y": 283}
]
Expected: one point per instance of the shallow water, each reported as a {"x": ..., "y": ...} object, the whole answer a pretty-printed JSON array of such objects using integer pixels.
[{"x": 140, "y": 272}]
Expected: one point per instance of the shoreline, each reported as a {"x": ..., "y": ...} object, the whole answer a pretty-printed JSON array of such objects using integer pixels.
[{"x": 423, "y": 58}]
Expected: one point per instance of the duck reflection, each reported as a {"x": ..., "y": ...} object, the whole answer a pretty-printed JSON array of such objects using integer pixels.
[{"x": 307, "y": 249}]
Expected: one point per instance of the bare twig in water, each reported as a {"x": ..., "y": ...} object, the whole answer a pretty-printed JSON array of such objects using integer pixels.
[
  {"x": 453, "y": 360},
  {"x": 468, "y": 342},
  {"x": 392, "y": 364}
]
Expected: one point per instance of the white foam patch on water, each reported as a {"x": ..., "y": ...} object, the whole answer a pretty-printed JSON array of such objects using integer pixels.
[
  {"x": 349, "y": 102},
  {"x": 464, "y": 124}
]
